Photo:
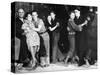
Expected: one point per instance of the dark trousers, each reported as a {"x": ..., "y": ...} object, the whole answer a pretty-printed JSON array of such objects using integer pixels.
[
  {"x": 24, "y": 53},
  {"x": 92, "y": 46},
  {"x": 81, "y": 46},
  {"x": 56, "y": 53}
]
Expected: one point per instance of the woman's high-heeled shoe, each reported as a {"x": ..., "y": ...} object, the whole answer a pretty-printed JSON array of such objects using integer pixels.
[{"x": 34, "y": 67}]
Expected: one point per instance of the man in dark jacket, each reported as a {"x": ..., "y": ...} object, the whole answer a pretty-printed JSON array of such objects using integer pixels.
[
  {"x": 81, "y": 38},
  {"x": 23, "y": 54}
]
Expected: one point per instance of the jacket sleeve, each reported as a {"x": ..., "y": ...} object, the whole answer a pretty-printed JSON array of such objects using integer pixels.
[{"x": 19, "y": 31}]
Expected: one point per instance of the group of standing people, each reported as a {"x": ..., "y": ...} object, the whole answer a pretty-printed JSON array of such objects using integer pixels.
[
  {"x": 39, "y": 42},
  {"x": 33, "y": 31},
  {"x": 35, "y": 39},
  {"x": 79, "y": 28}
]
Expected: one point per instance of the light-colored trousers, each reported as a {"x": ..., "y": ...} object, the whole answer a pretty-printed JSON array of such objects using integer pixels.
[{"x": 46, "y": 41}]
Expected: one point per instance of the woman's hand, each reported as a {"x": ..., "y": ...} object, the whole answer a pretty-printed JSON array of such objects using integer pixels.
[
  {"x": 57, "y": 24},
  {"x": 25, "y": 32}
]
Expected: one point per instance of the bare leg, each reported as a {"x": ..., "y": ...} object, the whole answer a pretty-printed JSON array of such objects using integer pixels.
[
  {"x": 37, "y": 50},
  {"x": 66, "y": 60},
  {"x": 33, "y": 52}
]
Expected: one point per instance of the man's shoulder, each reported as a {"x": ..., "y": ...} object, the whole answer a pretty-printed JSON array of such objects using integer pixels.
[{"x": 17, "y": 19}]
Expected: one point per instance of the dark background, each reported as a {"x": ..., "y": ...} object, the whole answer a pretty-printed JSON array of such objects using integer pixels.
[{"x": 43, "y": 9}]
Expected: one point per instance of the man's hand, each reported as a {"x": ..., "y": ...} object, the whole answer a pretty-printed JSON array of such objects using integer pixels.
[
  {"x": 80, "y": 28},
  {"x": 88, "y": 18},
  {"x": 85, "y": 23}
]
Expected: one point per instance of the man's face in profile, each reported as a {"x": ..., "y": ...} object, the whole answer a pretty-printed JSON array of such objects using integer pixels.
[{"x": 21, "y": 13}]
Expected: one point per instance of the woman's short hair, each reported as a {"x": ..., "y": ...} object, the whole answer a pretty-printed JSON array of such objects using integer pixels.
[
  {"x": 35, "y": 11},
  {"x": 52, "y": 12},
  {"x": 27, "y": 14},
  {"x": 70, "y": 12}
]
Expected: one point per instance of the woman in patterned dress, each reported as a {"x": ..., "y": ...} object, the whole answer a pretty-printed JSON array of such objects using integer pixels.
[{"x": 32, "y": 37}]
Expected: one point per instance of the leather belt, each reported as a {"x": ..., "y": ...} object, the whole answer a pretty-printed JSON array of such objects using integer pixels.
[
  {"x": 71, "y": 33},
  {"x": 43, "y": 32}
]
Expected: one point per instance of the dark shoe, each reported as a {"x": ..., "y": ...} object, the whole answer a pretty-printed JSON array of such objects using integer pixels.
[
  {"x": 25, "y": 64},
  {"x": 31, "y": 67},
  {"x": 91, "y": 62},
  {"x": 43, "y": 66},
  {"x": 81, "y": 63}
]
